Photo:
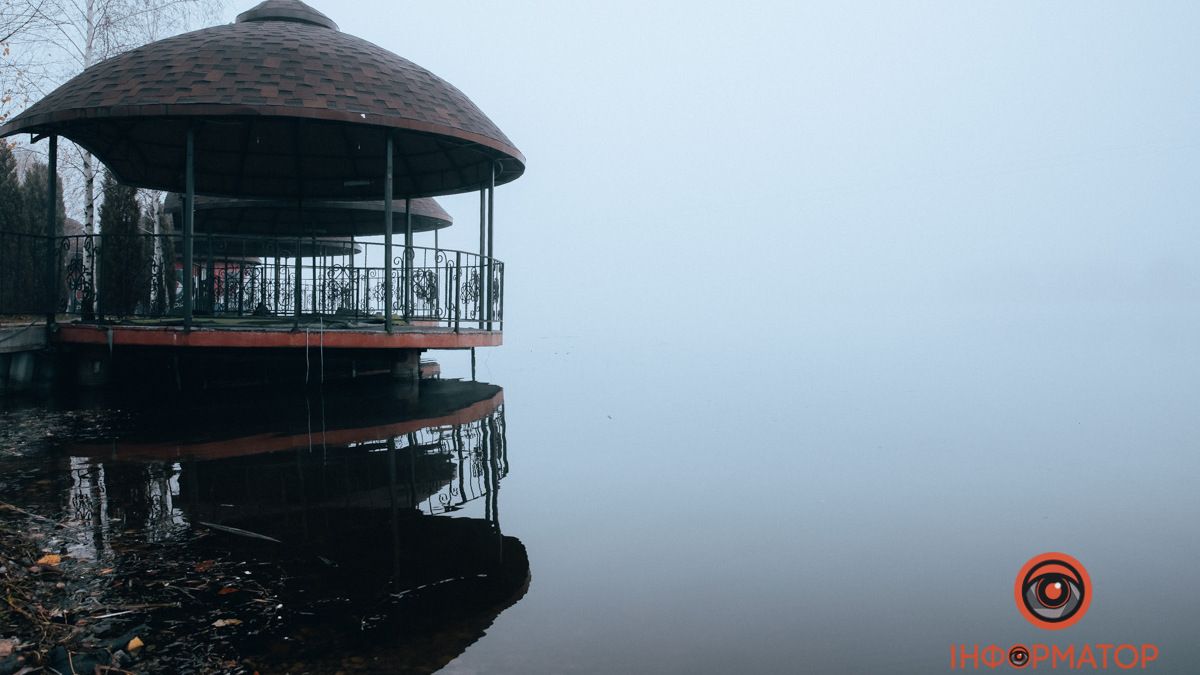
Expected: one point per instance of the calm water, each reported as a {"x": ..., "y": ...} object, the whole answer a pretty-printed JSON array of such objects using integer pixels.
[{"x": 842, "y": 496}]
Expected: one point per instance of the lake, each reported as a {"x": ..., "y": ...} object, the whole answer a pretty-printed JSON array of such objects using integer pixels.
[{"x": 855, "y": 494}]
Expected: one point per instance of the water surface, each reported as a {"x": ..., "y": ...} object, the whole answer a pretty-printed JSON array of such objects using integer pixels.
[{"x": 854, "y": 495}]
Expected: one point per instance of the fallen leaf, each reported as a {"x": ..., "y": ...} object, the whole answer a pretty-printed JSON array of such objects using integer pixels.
[
  {"x": 7, "y": 647},
  {"x": 205, "y": 566},
  {"x": 51, "y": 559},
  {"x": 106, "y": 570},
  {"x": 221, "y": 623},
  {"x": 227, "y": 590},
  {"x": 134, "y": 645}
]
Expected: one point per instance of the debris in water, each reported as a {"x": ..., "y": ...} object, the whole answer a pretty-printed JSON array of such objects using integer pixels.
[{"x": 238, "y": 531}]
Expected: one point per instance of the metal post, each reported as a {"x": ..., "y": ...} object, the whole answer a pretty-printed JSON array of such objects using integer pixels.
[
  {"x": 261, "y": 268},
  {"x": 315, "y": 264},
  {"x": 278, "y": 272},
  {"x": 437, "y": 276},
  {"x": 408, "y": 259},
  {"x": 387, "y": 239},
  {"x": 211, "y": 266},
  {"x": 352, "y": 278},
  {"x": 210, "y": 302},
  {"x": 457, "y": 289},
  {"x": 189, "y": 215},
  {"x": 97, "y": 270},
  {"x": 491, "y": 223},
  {"x": 482, "y": 251},
  {"x": 299, "y": 290},
  {"x": 52, "y": 234}
]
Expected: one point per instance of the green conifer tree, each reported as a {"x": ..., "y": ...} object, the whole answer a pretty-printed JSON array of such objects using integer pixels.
[
  {"x": 33, "y": 190},
  {"x": 11, "y": 226},
  {"x": 124, "y": 252},
  {"x": 34, "y": 201}
]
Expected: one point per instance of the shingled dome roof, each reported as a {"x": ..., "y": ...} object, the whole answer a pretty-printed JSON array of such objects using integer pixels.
[
  {"x": 222, "y": 215},
  {"x": 283, "y": 104}
]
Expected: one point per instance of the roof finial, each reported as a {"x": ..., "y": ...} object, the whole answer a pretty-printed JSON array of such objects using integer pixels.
[{"x": 286, "y": 10}]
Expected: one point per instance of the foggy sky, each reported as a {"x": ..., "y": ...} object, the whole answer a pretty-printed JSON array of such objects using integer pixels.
[{"x": 789, "y": 161}]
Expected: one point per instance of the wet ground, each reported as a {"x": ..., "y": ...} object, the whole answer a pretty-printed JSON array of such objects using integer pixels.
[{"x": 353, "y": 530}]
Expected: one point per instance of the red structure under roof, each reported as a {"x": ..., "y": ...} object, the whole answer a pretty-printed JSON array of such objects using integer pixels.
[{"x": 280, "y": 217}]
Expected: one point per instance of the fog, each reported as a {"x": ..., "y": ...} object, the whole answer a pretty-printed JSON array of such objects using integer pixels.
[
  {"x": 813, "y": 306},
  {"x": 790, "y": 161}
]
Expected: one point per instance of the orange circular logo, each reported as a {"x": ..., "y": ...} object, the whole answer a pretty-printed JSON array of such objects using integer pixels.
[{"x": 1053, "y": 591}]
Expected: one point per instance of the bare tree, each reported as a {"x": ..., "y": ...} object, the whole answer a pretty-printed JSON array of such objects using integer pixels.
[
  {"x": 18, "y": 19},
  {"x": 57, "y": 39},
  {"x": 77, "y": 34}
]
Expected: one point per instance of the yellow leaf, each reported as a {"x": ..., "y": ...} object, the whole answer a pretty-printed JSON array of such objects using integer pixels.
[
  {"x": 51, "y": 559},
  {"x": 134, "y": 645},
  {"x": 221, "y": 623}
]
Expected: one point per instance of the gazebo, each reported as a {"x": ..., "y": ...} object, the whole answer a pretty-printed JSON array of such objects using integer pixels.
[{"x": 282, "y": 105}]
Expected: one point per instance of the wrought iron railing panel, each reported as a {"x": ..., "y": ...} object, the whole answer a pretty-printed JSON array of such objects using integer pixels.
[{"x": 116, "y": 276}]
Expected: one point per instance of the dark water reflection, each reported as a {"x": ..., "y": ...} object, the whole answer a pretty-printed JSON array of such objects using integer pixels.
[{"x": 356, "y": 530}]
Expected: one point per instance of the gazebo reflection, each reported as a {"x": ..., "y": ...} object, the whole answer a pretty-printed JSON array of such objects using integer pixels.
[{"x": 381, "y": 511}]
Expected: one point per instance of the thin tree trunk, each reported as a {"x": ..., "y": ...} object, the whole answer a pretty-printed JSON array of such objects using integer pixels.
[
  {"x": 89, "y": 181},
  {"x": 160, "y": 264}
]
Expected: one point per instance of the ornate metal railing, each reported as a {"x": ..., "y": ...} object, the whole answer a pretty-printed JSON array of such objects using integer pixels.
[{"x": 118, "y": 276}]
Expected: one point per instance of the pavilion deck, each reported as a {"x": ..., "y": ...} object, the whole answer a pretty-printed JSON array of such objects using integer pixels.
[{"x": 273, "y": 333}]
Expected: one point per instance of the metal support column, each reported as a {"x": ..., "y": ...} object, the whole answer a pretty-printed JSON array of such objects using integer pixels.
[
  {"x": 482, "y": 252},
  {"x": 457, "y": 290},
  {"x": 52, "y": 233},
  {"x": 437, "y": 278},
  {"x": 315, "y": 267},
  {"x": 189, "y": 216},
  {"x": 408, "y": 260},
  {"x": 211, "y": 282},
  {"x": 387, "y": 239},
  {"x": 491, "y": 227},
  {"x": 352, "y": 276},
  {"x": 298, "y": 289}
]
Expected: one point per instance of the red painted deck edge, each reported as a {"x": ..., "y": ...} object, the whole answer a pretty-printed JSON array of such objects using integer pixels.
[{"x": 171, "y": 336}]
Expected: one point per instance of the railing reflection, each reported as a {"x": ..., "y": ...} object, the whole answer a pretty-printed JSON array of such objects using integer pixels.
[{"x": 378, "y": 519}]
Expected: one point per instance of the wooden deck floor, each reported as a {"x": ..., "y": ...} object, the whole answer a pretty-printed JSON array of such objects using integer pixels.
[{"x": 268, "y": 333}]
